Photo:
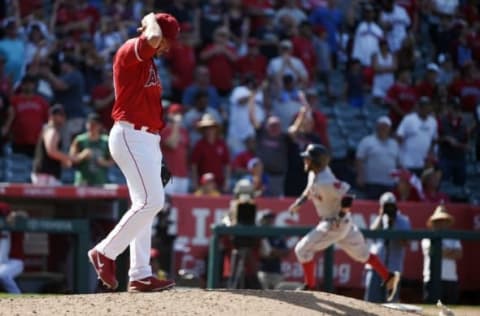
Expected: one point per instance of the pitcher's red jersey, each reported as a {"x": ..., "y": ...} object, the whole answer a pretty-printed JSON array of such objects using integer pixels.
[{"x": 137, "y": 87}]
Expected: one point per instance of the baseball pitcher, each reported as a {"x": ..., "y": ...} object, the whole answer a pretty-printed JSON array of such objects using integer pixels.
[
  {"x": 329, "y": 195},
  {"x": 134, "y": 145}
]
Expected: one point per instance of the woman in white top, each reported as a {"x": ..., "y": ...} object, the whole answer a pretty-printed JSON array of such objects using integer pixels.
[{"x": 384, "y": 65}]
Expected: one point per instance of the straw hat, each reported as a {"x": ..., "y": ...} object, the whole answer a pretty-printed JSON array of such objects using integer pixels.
[
  {"x": 207, "y": 120},
  {"x": 439, "y": 214}
]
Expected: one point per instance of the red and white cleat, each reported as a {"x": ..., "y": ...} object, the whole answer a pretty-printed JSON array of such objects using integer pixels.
[
  {"x": 105, "y": 268},
  {"x": 150, "y": 284}
]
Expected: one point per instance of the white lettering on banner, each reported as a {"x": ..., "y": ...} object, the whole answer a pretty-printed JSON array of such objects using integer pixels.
[
  {"x": 341, "y": 272},
  {"x": 200, "y": 215},
  {"x": 292, "y": 269},
  {"x": 181, "y": 244},
  {"x": 95, "y": 192},
  {"x": 193, "y": 265},
  {"x": 187, "y": 262},
  {"x": 476, "y": 222},
  {"x": 359, "y": 220},
  {"x": 219, "y": 214},
  {"x": 292, "y": 241},
  {"x": 414, "y": 245},
  {"x": 173, "y": 218},
  {"x": 39, "y": 192}
]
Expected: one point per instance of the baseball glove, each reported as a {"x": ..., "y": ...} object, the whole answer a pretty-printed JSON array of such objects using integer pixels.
[{"x": 165, "y": 174}]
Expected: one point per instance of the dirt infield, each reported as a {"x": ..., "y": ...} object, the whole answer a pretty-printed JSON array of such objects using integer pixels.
[{"x": 194, "y": 302}]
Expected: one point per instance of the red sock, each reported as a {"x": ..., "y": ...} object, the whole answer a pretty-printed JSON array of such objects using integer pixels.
[
  {"x": 378, "y": 266},
  {"x": 309, "y": 273}
]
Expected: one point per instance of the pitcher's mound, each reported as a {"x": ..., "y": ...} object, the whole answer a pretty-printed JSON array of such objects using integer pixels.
[{"x": 195, "y": 302}]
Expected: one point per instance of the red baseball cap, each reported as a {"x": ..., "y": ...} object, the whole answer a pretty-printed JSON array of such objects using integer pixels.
[
  {"x": 175, "y": 108},
  {"x": 169, "y": 25},
  {"x": 207, "y": 177}
]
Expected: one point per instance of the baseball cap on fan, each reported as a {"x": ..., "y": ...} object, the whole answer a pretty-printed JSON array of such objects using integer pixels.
[
  {"x": 388, "y": 198},
  {"x": 56, "y": 109},
  {"x": 384, "y": 120},
  {"x": 169, "y": 25}
]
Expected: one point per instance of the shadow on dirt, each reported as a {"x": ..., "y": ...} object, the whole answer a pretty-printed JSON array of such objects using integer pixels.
[{"x": 311, "y": 301}]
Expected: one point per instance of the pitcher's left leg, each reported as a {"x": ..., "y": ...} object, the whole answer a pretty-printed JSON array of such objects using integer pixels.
[{"x": 140, "y": 255}]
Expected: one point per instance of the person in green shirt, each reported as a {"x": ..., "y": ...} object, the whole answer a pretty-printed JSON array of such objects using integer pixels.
[{"x": 91, "y": 155}]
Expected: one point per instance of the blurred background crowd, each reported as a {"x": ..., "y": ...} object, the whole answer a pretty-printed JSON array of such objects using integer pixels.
[{"x": 392, "y": 87}]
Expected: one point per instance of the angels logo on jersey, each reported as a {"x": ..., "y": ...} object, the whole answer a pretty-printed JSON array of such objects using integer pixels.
[{"x": 152, "y": 78}]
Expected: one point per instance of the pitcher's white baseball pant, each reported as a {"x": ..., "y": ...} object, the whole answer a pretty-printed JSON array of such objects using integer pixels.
[
  {"x": 342, "y": 233},
  {"x": 8, "y": 271},
  {"x": 138, "y": 155}
]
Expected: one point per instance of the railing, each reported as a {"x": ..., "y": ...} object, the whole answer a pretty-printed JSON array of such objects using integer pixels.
[
  {"x": 328, "y": 255},
  {"x": 78, "y": 227}
]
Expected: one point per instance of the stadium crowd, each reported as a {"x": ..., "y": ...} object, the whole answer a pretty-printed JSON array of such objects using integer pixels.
[
  {"x": 392, "y": 88},
  {"x": 249, "y": 84}
]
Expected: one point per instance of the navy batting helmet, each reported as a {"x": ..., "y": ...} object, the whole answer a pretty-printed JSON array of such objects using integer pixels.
[{"x": 318, "y": 154}]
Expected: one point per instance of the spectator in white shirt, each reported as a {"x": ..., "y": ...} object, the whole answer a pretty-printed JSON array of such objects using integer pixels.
[
  {"x": 451, "y": 252},
  {"x": 395, "y": 22},
  {"x": 417, "y": 133},
  {"x": 240, "y": 127},
  {"x": 367, "y": 37},
  {"x": 290, "y": 14},
  {"x": 377, "y": 156},
  {"x": 286, "y": 64}
]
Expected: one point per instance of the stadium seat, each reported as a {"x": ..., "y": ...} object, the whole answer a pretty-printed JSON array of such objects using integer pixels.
[
  {"x": 68, "y": 176},
  {"x": 18, "y": 168},
  {"x": 2, "y": 169},
  {"x": 115, "y": 176}
]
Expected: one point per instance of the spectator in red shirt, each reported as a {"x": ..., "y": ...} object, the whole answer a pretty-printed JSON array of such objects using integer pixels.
[
  {"x": 320, "y": 120},
  {"x": 467, "y": 88},
  {"x": 258, "y": 9},
  {"x": 220, "y": 59},
  {"x": 401, "y": 97},
  {"x": 240, "y": 162},
  {"x": 405, "y": 190},
  {"x": 182, "y": 60},
  {"x": 26, "y": 117},
  {"x": 103, "y": 97},
  {"x": 470, "y": 11},
  {"x": 175, "y": 145},
  {"x": 303, "y": 48},
  {"x": 253, "y": 63},
  {"x": 76, "y": 17},
  {"x": 428, "y": 86},
  {"x": 211, "y": 154}
]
